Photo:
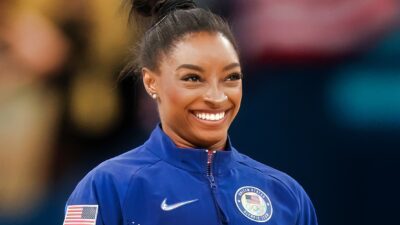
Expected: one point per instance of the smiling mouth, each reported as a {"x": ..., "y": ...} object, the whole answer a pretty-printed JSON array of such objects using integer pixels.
[{"x": 210, "y": 116}]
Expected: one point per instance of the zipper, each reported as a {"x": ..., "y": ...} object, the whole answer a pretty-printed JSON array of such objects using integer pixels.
[
  {"x": 213, "y": 186},
  {"x": 210, "y": 176}
]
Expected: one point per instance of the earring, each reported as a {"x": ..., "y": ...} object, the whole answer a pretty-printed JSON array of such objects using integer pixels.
[{"x": 154, "y": 95}]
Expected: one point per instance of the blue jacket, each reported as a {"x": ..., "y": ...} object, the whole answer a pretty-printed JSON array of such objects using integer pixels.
[{"x": 159, "y": 183}]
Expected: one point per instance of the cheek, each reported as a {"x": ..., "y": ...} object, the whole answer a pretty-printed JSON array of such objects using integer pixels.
[
  {"x": 235, "y": 95},
  {"x": 176, "y": 99},
  {"x": 173, "y": 96}
]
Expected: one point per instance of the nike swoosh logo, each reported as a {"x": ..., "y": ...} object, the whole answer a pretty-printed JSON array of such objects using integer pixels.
[{"x": 166, "y": 207}]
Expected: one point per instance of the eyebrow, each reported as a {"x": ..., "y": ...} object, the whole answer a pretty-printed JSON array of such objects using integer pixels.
[
  {"x": 198, "y": 68},
  {"x": 231, "y": 66},
  {"x": 190, "y": 66}
]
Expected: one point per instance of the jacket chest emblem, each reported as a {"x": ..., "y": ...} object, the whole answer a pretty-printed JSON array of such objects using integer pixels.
[{"x": 253, "y": 204}]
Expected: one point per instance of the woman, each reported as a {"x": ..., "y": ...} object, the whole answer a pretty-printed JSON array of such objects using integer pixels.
[{"x": 188, "y": 172}]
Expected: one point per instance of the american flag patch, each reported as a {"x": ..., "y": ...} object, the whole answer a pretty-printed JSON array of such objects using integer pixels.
[
  {"x": 81, "y": 215},
  {"x": 252, "y": 199}
]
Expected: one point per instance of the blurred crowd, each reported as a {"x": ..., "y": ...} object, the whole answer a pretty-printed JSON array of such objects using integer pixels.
[
  {"x": 63, "y": 109},
  {"x": 59, "y": 62}
]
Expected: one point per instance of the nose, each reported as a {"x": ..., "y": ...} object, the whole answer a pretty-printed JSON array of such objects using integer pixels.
[{"x": 215, "y": 95}]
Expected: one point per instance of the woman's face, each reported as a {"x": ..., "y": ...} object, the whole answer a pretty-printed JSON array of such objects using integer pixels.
[{"x": 199, "y": 90}]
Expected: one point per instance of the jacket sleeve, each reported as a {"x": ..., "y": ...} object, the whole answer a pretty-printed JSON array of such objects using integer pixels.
[
  {"x": 95, "y": 199},
  {"x": 307, "y": 215}
]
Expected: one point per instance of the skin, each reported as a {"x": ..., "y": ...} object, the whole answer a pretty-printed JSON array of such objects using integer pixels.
[{"x": 201, "y": 74}]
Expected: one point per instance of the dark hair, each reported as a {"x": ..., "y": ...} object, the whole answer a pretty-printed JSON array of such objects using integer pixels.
[{"x": 170, "y": 21}]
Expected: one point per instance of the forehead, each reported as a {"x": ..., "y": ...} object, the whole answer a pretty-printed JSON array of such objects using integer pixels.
[{"x": 203, "y": 48}]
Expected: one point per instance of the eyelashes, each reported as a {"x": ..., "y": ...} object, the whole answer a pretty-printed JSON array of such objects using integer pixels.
[
  {"x": 191, "y": 78},
  {"x": 197, "y": 78},
  {"x": 234, "y": 76}
]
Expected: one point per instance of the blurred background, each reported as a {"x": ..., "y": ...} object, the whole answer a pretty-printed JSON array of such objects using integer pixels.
[{"x": 321, "y": 100}]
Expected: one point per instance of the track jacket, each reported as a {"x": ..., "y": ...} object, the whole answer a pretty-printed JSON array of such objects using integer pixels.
[{"x": 161, "y": 184}]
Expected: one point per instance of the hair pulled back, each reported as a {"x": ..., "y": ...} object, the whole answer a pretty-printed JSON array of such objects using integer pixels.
[{"x": 170, "y": 21}]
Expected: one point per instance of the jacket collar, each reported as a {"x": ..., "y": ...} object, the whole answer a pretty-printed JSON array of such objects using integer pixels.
[{"x": 190, "y": 159}]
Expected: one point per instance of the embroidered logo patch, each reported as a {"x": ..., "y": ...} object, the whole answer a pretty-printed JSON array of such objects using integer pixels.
[{"x": 253, "y": 204}]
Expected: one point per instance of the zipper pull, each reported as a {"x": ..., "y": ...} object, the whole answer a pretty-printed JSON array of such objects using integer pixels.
[{"x": 212, "y": 182}]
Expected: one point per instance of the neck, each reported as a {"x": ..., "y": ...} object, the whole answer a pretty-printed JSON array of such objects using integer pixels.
[
  {"x": 181, "y": 142},
  {"x": 216, "y": 147}
]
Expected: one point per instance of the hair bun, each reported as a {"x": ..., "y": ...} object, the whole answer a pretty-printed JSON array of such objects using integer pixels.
[{"x": 160, "y": 8}]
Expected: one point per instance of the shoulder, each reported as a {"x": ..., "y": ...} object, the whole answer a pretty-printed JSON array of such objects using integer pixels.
[
  {"x": 114, "y": 175},
  {"x": 272, "y": 174},
  {"x": 126, "y": 164}
]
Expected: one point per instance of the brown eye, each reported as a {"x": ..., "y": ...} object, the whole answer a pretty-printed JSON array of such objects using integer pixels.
[
  {"x": 192, "y": 78},
  {"x": 234, "y": 76}
]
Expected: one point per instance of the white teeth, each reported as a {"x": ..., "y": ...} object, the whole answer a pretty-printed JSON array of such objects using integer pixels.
[{"x": 210, "y": 116}]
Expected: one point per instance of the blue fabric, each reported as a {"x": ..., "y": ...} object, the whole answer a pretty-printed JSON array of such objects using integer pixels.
[{"x": 131, "y": 188}]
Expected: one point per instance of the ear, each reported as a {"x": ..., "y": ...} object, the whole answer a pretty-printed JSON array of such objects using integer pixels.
[{"x": 150, "y": 80}]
